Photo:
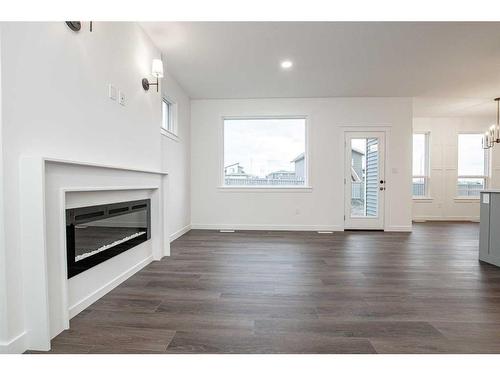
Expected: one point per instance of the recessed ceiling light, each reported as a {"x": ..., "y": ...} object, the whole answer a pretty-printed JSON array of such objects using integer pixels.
[{"x": 287, "y": 64}]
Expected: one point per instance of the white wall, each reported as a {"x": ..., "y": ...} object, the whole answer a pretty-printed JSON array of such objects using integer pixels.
[
  {"x": 55, "y": 103},
  {"x": 4, "y": 336},
  {"x": 443, "y": 143},
  {"x": 322, "y": 208},
  {"x": 176, "y": 156}
]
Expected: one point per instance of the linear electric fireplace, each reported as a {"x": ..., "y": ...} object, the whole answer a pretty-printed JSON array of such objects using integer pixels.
[{"x": 97, "y": 233}]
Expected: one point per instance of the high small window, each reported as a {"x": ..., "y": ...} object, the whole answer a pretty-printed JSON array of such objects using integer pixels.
[
  {"x": 472, "y": 165},
  {"x": 261, "y": 152},
  {"x": 420, "y": 165},
  {"x": 167, "y": 109}
]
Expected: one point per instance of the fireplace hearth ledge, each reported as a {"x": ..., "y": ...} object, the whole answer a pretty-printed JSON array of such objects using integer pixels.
[{"x": 33, "y": 183}]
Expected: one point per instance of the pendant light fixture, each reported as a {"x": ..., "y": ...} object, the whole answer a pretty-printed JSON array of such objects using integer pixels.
[{"x": 492, "y": 136}]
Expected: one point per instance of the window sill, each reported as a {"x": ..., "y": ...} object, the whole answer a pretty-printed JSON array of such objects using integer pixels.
[
  {"x": 423, "y": 200},
  {"x": 466, "y": 200},
  {"x": 170, "y": 135},
  {"x": 265, "y": 189}
]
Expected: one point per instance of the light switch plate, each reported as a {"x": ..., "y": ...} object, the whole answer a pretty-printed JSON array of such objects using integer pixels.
[
  {"x": 486, "y": 198},
  {"x": 121, "y": 97},
  {"x": 112, "y": 92}
]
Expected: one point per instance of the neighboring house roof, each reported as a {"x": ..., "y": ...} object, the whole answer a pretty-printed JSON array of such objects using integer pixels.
[
  {"x": 358, "y": 151},
  {"x": 231, "y": 165},
  {"x": 298, "y": 158}
]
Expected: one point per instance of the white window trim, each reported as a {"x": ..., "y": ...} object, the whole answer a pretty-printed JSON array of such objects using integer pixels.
[
  {"x": 466, "y": 200},
  {"x": 427, "y": 176},
  {"x": 486, "y": 176},
  {"x": 423, "y": 200},
  {"x": 265, "y": 189},
  {"x": 172, "y": 134}
]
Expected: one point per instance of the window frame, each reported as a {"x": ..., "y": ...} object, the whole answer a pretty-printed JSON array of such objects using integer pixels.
[
  {"x": 266, "y": 188},
  {"x": 485, "y": 177},
  {"x": 172, "y": 130},
  {"x": 427, "y": 167}
]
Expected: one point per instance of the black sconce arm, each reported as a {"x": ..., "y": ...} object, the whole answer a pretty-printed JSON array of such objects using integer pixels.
[{"x": 146, "y": 84}]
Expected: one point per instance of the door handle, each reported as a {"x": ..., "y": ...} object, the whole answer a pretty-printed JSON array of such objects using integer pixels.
[
  {"x": 382, "y": 188},
  {"x": 382, "y": 181}
]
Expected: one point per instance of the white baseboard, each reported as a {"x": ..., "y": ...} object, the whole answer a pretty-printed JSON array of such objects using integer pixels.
[
  {"x": 15, "y": 346},
  {"x": 398, "y": 228},
  {"x": 305, "y": 228},
  {"x": 180, "y": 232},
  {"x": 270, "y": 227},
  {"x": 94, "y": 296},
  {"x": 446, "y": 218}
]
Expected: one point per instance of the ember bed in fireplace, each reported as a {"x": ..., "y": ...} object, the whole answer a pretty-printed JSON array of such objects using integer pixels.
[{"x": 97, "y": 233}]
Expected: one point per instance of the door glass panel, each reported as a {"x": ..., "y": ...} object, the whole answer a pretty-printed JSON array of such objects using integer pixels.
[{"x": 364, "y": 177}]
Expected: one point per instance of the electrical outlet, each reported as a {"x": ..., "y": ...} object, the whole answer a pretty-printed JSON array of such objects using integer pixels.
[
  {"x": 112, "y": 92},
  {"x": 121, "y": 98}
]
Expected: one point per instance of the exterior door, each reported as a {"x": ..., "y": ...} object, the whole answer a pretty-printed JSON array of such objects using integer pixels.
[{"x": 364, "y": 180}]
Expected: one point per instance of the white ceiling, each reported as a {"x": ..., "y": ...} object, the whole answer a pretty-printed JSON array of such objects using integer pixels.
[
  {"x": 452, "y": 68},
  {"x": 455, "y": 107}
]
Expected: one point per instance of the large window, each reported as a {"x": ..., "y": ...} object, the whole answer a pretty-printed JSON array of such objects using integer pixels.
[
  {"x": 472, "y": 165},
  {"x": 265, "y": 152},
  {"x": 420, "y": 165}
]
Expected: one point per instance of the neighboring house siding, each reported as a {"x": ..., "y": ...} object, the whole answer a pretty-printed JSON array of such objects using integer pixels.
[
  {"x": 299, "y": 169},
  {"x": 358, "y": 186},
  {"x": 357, "y": 163},
  {"x": 371, "y": 176}
]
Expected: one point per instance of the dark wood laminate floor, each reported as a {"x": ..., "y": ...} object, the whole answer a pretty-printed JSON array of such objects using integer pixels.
[{"x": 286, "y": 292}]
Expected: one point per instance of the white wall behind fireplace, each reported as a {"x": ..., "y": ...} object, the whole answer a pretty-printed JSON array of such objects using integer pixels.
[
  {"x": 55, "y": 104},
  {"x": 70, "y": 186}
]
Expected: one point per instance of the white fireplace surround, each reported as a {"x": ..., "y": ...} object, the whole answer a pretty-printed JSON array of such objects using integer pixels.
[{"x": 48, "y": 187}]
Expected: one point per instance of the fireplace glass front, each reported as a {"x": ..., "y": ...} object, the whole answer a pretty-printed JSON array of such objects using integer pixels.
[{"x": 97, "y": 233}]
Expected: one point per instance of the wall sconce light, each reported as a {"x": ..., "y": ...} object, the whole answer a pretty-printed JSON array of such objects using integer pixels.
[
  {"x": 156, "y": 71},
  {"x": 76, "y": 25}
]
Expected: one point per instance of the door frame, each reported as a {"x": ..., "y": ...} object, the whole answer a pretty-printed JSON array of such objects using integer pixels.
[{"x": 351, "y": 131}]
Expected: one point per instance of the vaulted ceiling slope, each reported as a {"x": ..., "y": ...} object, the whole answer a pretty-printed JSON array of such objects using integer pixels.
[{"x": 332, "y": 59}]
